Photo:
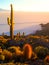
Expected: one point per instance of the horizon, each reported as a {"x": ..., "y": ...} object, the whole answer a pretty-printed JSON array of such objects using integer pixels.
[{"x": 23, "y": 20}]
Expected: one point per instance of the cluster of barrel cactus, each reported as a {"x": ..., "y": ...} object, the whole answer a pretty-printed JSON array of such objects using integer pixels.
[
  {"x": 15, "y": 52},
  {"x": 8, "y": 54}
]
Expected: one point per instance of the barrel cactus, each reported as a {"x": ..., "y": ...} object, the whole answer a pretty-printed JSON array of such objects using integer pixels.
[{"x": 27, "y": 51}]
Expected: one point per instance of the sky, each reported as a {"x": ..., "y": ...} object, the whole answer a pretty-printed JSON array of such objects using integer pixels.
[
  {"x": 28, "y": 13},
  {"x": 26, "y": 5}
]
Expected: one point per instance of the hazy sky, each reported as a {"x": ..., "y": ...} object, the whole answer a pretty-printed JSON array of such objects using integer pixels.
[
  {"x": 34, "y": 12},
  {"x": 26, "y": 5}
]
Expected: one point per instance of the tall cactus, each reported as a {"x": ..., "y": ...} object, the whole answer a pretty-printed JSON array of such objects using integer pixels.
[{"x": 11, "y": 23}]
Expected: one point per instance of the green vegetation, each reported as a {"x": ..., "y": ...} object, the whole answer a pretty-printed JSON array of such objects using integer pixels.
[{"x": 41, "y": 51}]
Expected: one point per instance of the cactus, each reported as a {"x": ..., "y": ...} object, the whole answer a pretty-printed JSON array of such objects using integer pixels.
[
  {"x": 19, "y": 34},
  {"x": 27, "y": 51},
  {"x": 23, "y": 34},
  {"x": 11, "y": 23}
]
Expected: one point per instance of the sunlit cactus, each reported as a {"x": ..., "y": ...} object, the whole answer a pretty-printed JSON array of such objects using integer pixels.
[
  {"x": 27, "y": 51},
  {"x": 11, "y": 23},
  {"x": 8, "y": 19}
]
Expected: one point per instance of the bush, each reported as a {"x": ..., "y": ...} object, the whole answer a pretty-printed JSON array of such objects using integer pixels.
[
  {"x": 7, "y": 54},
  {"x": 41, "y": 51},
  {"x": 15, "y": 50},
  {"x": 2, "y": 57},
  {"x": 17, "y": 53}
]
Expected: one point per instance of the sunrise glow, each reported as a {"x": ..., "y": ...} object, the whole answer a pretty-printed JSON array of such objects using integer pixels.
[{"x": 26, "y": 5}]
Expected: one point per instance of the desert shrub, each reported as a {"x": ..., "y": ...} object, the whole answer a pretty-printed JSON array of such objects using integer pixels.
[
  {"x": 7, "y": 54},
  {"x": 2, "y": 57},
  {"x": 17, "y": 53},
  {"x": 2, "y": 46},
  {"x": 27, "y": 51},
  {"x": 16, "y": 50},
  {"x": 10, "y": 43},
  {"x": 41, "y": 51}
]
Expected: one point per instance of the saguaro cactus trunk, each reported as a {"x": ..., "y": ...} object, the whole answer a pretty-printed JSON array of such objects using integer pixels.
[
  {"x": 11, "y": 23},
  {"x": 11, "y": 27}
]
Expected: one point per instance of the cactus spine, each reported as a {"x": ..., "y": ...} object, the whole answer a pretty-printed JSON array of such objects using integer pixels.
[{"x": 11, "y": 23}]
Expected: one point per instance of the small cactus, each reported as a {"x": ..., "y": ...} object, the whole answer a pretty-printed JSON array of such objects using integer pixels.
[
  {"x": 23, "y": 34},
  {"x": 19, "y": 34},
  {"x": 27, "y": 51}
]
